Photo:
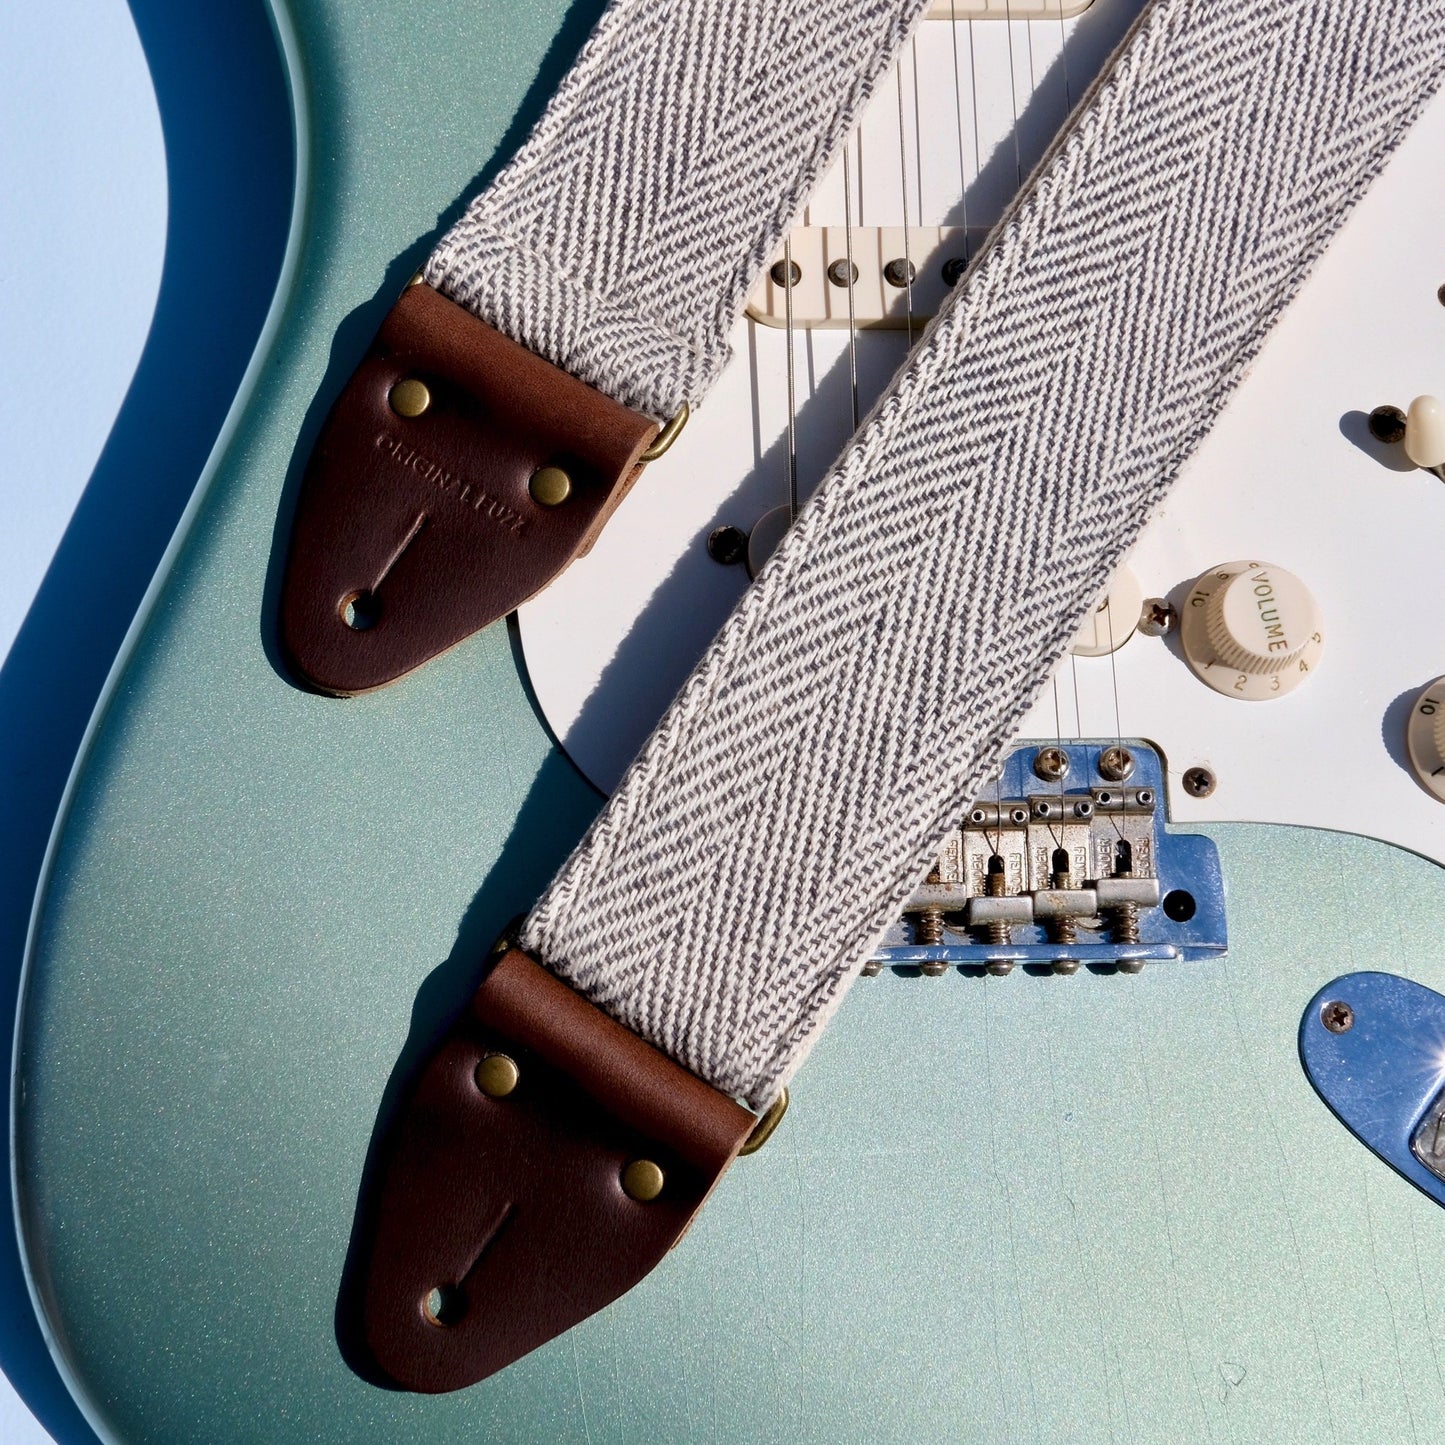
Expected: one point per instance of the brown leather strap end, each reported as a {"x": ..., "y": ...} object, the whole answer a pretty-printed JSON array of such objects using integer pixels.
[
  {"x": 456, "y": 475},
  {"x": 546, "y": 1161}
]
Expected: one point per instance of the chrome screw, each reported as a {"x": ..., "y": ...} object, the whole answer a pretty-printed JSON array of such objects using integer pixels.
[
  {"x": 1199, "y": 782},
  {"x": 1387, "y": 424},
  {"x": 1116, "y": 763},
  {"x": 1157, "y": 618},
  {"x": 727, "y": 545},
  {"x": 1051, "y": 764}
]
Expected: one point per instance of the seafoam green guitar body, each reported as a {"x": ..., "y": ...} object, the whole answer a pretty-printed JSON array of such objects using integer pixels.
[{"x": 1098, "y": 1208}]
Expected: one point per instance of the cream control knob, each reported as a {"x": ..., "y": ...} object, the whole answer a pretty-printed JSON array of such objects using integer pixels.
[
  {"x": 1251, "y": 630},
  {"x": 1425, "y": 738},
  {"x": 1111, "y": 622},
  {"x": 1425, "y": 432}
]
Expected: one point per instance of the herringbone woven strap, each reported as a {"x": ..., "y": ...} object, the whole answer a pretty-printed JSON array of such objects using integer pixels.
[
  {"x": 622, "y": 240},
  {"x": 794, "y": 793}
]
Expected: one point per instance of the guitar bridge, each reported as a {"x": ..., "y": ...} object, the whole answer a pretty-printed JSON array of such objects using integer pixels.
[{"x": 1067, "y": 863}]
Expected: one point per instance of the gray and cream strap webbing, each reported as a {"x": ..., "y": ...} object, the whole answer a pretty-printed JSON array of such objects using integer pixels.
[
  {"x": 796, "y": 790},
  {"x": 584, "y": 299},
  {"x": 867, "y": 685},
  {"x": 623, "y": 239}
]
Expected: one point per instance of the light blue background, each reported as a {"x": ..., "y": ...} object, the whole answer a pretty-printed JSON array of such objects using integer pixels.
[
  {"x": 82, "y": 242},
  {"x": 129, "y": 132}
]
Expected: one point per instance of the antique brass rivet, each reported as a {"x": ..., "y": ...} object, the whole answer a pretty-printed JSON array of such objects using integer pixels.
[
  {"x": 410, "y": 397},
  {"x": 642, "y": 1179},
  {"x": 497, "y": 1076},
  {"x": 550, "y": 486}
]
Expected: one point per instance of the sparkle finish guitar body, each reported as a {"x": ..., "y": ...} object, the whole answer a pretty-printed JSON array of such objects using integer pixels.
[{"x": 1092, "y": 1208}]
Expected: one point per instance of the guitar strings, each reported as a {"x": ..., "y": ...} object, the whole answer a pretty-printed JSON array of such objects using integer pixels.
[
  {"x": 852, "y": 274},
  {"x": 1019, "y": 180},
  {"x": 903, "y": 173},
  {"x": 792, "y": 380},
  {"x": 958, "y": 120}
]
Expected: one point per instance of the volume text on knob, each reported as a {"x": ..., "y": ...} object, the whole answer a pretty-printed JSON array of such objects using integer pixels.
[{"x": 1251, "y": 630}]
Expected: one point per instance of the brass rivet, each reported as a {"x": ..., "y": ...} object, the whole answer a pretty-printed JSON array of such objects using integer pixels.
[
  {"x": 550, "y": 486},
  {"x": 497, "y": 1076},
  {"x": 642, "y": 1179},
  {"x": 410, "y": 397}
]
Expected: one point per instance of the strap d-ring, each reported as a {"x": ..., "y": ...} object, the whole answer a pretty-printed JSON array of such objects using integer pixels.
[
  {"x": 667, "y": 435},
  {"x": 767, "y": 1123}
]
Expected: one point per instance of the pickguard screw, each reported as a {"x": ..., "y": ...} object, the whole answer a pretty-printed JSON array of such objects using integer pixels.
[
  {"x": 899, "y": 272},
  {"x": 1199, "y": 782},
  {"x": 1387, "y": 424},
  {"x": 1440, "y": 294},
  {"x": 953, "y": 270},
  {"x": 1157, "y": 618},
  {"x": 842, "y": 272},
  {"x": 1051, "y": 764},
  {"x": 1337, "y": 1016},
  {"x": 1116, "y": 763},
  {"x": 781, "y": 274},
  {"x": 728, "y": 545}
]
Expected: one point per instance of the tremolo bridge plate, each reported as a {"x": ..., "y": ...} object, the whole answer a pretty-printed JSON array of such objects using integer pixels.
[{"x": 1063, "y": 872}]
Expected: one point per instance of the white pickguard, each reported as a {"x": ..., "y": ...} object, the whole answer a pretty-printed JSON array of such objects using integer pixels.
[{"x": 1289, "y": 475}]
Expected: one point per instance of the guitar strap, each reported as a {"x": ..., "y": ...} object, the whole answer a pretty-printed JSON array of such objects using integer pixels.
[
  {"x": 585, "y": 298},
  {"x": 697, "y": 941}
]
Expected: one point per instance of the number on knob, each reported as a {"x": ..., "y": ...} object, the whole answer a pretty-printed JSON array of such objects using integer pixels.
[
  {"x": 1425, "y": 738},
  {"x": 1251, "y": 630}
]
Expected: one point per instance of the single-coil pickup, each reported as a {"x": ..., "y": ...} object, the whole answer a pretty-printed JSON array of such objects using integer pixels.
[
  {"x": 1006, "y": 9},
  {"x": 899, "y": 277}
]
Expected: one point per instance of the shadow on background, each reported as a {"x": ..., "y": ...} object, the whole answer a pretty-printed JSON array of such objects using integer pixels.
[
  {"x": 553, "y": 816},
  {"x": 226, "y": 122}
]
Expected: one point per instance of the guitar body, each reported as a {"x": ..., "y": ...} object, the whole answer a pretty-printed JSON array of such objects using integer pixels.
[{"x": 1091, "y": 1208}]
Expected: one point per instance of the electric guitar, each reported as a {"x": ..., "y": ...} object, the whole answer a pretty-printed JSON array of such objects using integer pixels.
[{"x": 1024, "y": 1202}]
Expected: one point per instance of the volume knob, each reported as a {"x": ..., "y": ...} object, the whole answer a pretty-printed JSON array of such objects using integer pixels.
[{"x": 1251, "y": 630}]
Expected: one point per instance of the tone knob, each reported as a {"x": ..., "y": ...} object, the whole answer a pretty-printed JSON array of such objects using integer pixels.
[
  {"x": 1114, "y": 617},
  {"x": 1425, "y": 738},
  {"x": 1251, "y": 630},
  {"x": 1425, "y": 432}
]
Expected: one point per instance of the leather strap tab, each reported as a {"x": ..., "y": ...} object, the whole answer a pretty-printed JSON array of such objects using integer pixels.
[
  {"x": 419, "y": 521},
  {"x": 501, "y": 1219}
]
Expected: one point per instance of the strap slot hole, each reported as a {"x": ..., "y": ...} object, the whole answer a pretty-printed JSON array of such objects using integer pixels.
[
  {"x": 444, "y": 1306},
  {"x": 361, "y": 611}
]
